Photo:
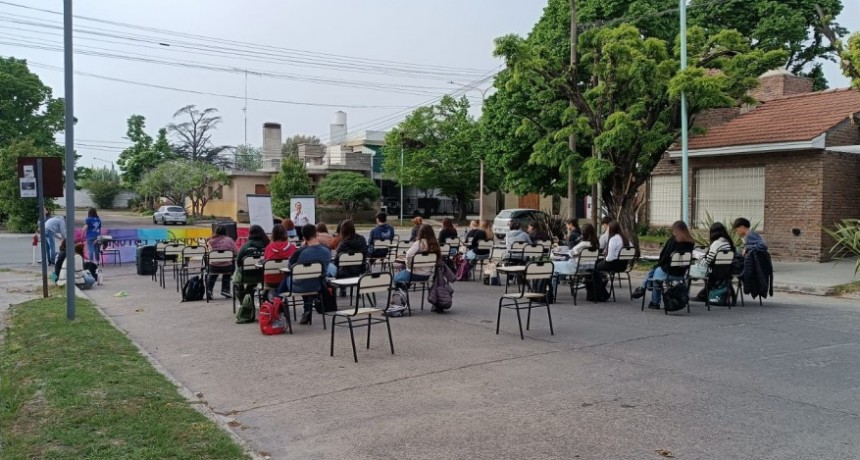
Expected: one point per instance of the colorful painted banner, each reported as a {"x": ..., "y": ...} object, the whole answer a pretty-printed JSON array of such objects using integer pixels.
[{"x": 128, "y": 239}]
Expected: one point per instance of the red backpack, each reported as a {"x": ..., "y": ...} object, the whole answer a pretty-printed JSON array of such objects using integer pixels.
[{"x": 273, "y": 319}]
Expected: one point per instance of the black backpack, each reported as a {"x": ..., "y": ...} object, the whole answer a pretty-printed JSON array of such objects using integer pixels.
[
  {"x": 193, "y": 290},
  {"x": 675, "y": 297}
]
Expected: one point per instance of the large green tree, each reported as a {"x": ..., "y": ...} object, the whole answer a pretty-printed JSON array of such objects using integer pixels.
[
  {"x": 623, "y": 94},
  {"x": 790, "y": 25},
  {"x": 178, "y": 180},
  {"x": 441, "y": 146},
  {"x": 144, "y": 153},
  {"x": 351, "y": 191},
  {"x": 194, "y": 136},
  {"x": 29, "y": 118},
  {"x": 291, "y": 180}
]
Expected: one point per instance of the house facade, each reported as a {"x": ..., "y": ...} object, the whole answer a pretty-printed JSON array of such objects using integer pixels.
[{"x": 791, "y": 165}]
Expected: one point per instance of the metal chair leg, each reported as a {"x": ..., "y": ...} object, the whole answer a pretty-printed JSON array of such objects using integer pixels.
[
  {"x": 519, "y": 319},
  {"x": 390, "y": 339},
  {"x": 351, "y": 338}
]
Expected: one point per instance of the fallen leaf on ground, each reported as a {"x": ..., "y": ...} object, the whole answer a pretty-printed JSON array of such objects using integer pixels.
[
  {"x": 138, "y": 310},
  {"x": 121, "y": 294},
  {"x": 665, "y": 453}
]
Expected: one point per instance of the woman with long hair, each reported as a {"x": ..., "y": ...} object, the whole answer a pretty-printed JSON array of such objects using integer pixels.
[
  {"x": 447, "y": 232},
  {"x": 574, "y": 233},
  {"x": 426, "y": 242},
  {"x": 323, "y": 235},
  {"x": 484, "y": 232},
  {"x": 350, "y": 242},
  {"x": 255, "y": 246},
  {"x": 588, "y": 240},
  {"x": 612, "y": 262},
  {"x": 680, "y": 241},
  {"x": 290, "y": 227}
]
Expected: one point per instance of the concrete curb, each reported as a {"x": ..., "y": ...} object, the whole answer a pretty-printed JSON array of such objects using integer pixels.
[
  {"x": 809, "y": 289},
  {"x": 195, "y": 402}
]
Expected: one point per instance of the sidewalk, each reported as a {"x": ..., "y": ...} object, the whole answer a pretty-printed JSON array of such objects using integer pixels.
[{"x": 812, "y": 278}]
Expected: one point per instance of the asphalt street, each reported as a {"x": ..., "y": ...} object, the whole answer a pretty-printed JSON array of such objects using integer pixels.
[{"x": 779, "y": 381}]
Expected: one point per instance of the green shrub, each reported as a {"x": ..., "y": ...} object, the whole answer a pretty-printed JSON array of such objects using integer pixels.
[
  {"x": 103, "y": 185},
  {"x": 847, "y": 236}
]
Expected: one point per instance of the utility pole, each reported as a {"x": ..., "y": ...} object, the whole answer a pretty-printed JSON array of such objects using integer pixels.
[
  {"x": 571, "y": 140},
  {"x": 70, "y": 159},
  {"x": 685, "y": 165},
  {"x": 481, "y": 177},
  {"x": 245, "y": 108}
]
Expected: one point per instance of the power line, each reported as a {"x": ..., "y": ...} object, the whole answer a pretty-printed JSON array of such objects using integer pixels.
[
  {"x": 208, "y": 40},
  {"x": 206, "y": 93}
]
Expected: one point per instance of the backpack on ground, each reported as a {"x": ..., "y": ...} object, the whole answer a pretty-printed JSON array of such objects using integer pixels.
[
  {"x": 246, "y": 311},
  {"x": 675, "y": 297},
  {"x": 273, "y": 319},
  {"x": 720, "y": 295},
  {"x": 397, "y": 308},
  {"x": 464, "y": 269},
  {"x": 329, "y": 301},
  {"x": 193, "y": 290}
]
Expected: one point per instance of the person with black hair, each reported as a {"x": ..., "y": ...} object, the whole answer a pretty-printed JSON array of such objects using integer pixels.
[
  {"x": 515, "y": 233},
  {"x": 574, "y": 234},
  {"x": 537, "y": 232},
  {"x": 604, "y": 236},
  {"x": 447, "y": 232},
  {"x": 311, "y": 251},
  {"x": 221, "y": 242},
  {"x": 752, "y": 240},
  {"x": 616, "y": 241},
  {"x": 382, "y": 231},
  {"x": 255, "y": 246}
]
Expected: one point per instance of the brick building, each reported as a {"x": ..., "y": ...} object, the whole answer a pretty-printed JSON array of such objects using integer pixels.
[{"x": 791, "y": 164}]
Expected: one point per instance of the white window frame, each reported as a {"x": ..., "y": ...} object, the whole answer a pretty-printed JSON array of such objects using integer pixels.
[
  {"x": 664, "y": 200},
  {"x": 729, "y": 193}
]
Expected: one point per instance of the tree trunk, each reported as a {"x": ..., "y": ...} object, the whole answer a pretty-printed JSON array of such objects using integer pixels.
[
  {"x": 622, "y": 208},
  {"x": 461, "y": 209}
]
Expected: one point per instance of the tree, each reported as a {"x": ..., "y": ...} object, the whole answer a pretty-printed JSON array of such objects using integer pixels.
[
  {"x": 103, "y": 185},
  {"x": 768, "y": 25},
  {"x": 178, "y": 180},
  {"x": 291, "y": 144},
  {"x": 195, "y": 136},
  {"x": 441, "y": 150},
  {"x": 291, "y": 180},
  {"x": 144, "y": 154},
  {"x": 248, "y": 158},
  {"x": 351, "y": 191},
  {"x": 624, "y": 95},
  {"x": 29, "y": 119}
]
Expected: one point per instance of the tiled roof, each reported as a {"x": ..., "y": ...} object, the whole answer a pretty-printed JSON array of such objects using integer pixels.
[{"x": 798, "y": 117}]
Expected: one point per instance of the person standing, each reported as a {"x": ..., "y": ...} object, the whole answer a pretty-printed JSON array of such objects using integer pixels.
[
  {"x": 92, "y": 230},
  {"x": 299, "y": 218},
  {"x": 55, "y": 229}
]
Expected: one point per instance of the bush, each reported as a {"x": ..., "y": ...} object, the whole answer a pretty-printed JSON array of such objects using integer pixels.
[
  {"x": 554, "y": 224},
  {"x": 103, "y": 185},
  {"x": 847, "y": 236}
]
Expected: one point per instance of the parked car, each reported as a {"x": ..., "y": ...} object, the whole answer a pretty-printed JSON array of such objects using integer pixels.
[
  {"x": 523, "y": 216},
  {"x": 170, "y": 214}
]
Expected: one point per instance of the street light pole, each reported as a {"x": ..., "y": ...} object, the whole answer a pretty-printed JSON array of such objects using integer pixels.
[
  {"x": 68, "y": 61},
  {"x": 401, "y": 185},
  {"x": 685, "y": 167},
  {"x": 481, "y": 179}
]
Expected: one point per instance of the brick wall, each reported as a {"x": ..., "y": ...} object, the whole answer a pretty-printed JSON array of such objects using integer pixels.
[
  {"x": 715, "y": 117},
  {"x": 794, "y": 197},
  {"x": 841, "y": 189},
  {"x": 845, "y": 133},
  {"x": 780, "y": 84}
]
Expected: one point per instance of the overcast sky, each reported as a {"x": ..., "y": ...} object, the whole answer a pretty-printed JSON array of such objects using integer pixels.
[{"x": 433, "y": 42}]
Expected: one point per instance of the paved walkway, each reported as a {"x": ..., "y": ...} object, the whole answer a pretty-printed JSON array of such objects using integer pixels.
[{"x": 772, "y": 382}]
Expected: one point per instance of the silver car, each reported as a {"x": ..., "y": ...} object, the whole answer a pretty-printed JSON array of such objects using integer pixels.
[
  {"x": 523, "y": 216},
  {"x": 170, "y": 215}
]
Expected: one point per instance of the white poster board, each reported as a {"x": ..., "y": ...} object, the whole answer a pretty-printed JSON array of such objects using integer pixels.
[
  {"x": 308, "y": 206},
  {"x": 260, "y": 211}
]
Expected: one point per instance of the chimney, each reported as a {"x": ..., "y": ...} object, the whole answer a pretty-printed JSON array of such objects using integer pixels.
[
  {"x": 338, "y": 128},
  {"x": 271, "y": 142},
  {"x": 777, "y": 83}
]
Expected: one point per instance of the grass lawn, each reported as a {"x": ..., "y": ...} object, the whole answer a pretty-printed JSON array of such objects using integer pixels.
[
  {"x": 81, "y": 390},
  {"x": 849, "y": 288}
]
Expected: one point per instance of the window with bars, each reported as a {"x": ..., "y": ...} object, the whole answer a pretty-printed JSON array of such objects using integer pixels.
[
  {"x": 729, "y": 193},
  {"x": 664, "y": 200}
]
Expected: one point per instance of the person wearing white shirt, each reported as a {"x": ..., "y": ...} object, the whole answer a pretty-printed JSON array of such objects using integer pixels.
[
  {"x": 299, "y": 218},
  {"x": 610, "y": 263},
  {"x": 569, "y": 267}
]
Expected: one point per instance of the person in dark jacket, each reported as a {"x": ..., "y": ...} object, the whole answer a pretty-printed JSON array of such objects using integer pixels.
[
  {"x": 680, "y": 241},
  {"x": 255, "y": 246},
  {"x": 382, "y": 231},
  {"x": 537, "y": 232},
  {"x": 350, "y": 242},
  {"x": 757, "y": 274},
  {"x": 447, "y": 232},
  {"x": 574, "y": 234},
  {"x": 482, "y": 233}
]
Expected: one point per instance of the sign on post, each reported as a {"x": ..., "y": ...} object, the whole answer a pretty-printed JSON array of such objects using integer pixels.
[{"x": 52, "y": 171}]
